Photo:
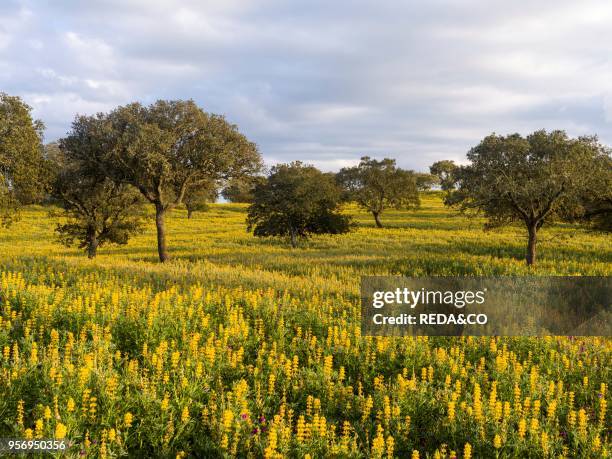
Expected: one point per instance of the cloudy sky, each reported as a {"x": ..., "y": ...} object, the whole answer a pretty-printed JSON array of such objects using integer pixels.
[{"x": 323, "y": 81}]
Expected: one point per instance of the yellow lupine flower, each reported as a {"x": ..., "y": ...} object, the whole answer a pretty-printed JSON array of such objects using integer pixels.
[
  {"x": 38, "y": 428},
  {"x": 60, "y": 431},
  {"x": 497, "y": 441},
  {"x": 596, "y": 443},
  {"x": 185, "y": 415},
  {"x": 451, "y": 411},
  {"x": 165, "y": 402},
  {"x": 128, "y": 419},
  {"x": 544, "y": 442},
  {"x": 20, "y": 412},
  {"x": 582, "y": 422},
  {"x": 70, "y": 405},
  {"x": 228, "y": 418},
  {"x": 467, "y": 451},
  {"x": 522, "y": 428},
  {"x": 301, "y": 429}
]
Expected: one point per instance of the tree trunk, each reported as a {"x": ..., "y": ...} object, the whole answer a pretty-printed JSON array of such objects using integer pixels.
[
  {"x": 377, "y": 219},
  {"x": 293, "y": 239},
  {"x": 92, "y": 243},
  {"x": 189, "y": 212},
  {"x": 531, "y": 244},
  {"x": 162, "y": 250}
]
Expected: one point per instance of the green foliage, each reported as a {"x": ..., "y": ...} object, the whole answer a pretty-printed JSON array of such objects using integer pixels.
[
  {"x": 296, "y": 201},
  {"x": 20, "y": 157},
  {"x": 243, "y": 189},
  {"x": 533, "y": 180},
  {"x": 198, "y": 197},
  {"x": 426, "y": 182},
  {"x": 170, "y": 146},
  {"x": 53, "y": 161},
  {"x": 444, "y": 170},
  {"x": 165, "y": 149},
  {"x": 595, "y": 202},
  {"x": 98, "y": 210},
  {"x": 378, "y": 185}
]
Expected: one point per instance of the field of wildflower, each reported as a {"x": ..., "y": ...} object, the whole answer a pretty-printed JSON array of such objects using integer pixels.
[{"x": 245, "y": 347}]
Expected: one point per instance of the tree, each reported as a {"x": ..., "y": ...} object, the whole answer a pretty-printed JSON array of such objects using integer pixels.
[
  {"x": 197, "y": 198},
  {"x": 595, "y": 203},
  {"x": 242, "y": 190},
  {"x": 20, "y": 157},
  {"x": 378, "y": 185},
  {"x": 425, "y": 182},
  {"x": 99, "y": 211},
  {"x": 296, "y": 201},
  {"x": 533, "y": 180},
  {"x": 53, "y": 161},
  {"x": 165, "y": 149},
  {"x": 444, "y": 171}
]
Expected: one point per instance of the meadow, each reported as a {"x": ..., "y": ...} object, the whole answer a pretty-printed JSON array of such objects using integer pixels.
[{"x": 241, "y": 346}]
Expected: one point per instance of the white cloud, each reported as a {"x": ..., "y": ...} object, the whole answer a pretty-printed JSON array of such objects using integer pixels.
[
  {"x": 90, "y": 53},
  {"x": 331, "y": 113}
]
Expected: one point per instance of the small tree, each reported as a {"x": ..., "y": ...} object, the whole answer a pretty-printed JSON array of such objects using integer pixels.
[
  {"x": 378, "y": 185},
  {"x": 533, "y": 180},
  {"x": 98, "y": 210},
  {"x": 21, "y": 159},
  {"x": 444, "y": 171},
  {"x": 294, "y": 202},
  {"x": 425, "y": 182},
  {"x": 52, "y": 165},
  {"x": 197, "y": 198},
  {"x": 242, "y": 190},
  {"x": 163, "y": 150}
]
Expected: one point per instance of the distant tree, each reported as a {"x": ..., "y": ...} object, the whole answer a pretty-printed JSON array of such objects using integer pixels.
[
  {"x": 242, "y": 190},
  {"x": 20, "y": 157},
  {"x": 378, "y": 185},
  {"x": 163, "y": 150},
  {"x": 197, "y": 198},
  {"x": 426, "y": 182},
  {"x": 296, "y": 201},
  {"x": 533, "y": 180},
  {"x": 595, "y": 203},
  {"x": 53, "y": 153},
  {"x": 444, "y": 171},
  {"x": 98, "y": 211},
  {"x": 52, "y": 163}
]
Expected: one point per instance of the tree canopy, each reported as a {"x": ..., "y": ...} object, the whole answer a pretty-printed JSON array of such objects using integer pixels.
[
  {"x": 295, "y": 201},
  {"x": 594, "y": 206},
  {"x": 98, "y": 210},
  {"x": 533, "y": 179},
  {"x": 163, "y": 150},
  {"x": 425, "y": 182},
  {"x": 198, "y": 197},
  {"x": 444, "y": 171},
  {"x": 378, "y": 185},
  {"x": 21, "y": 158},
  {"x": 242, "y": 189}
]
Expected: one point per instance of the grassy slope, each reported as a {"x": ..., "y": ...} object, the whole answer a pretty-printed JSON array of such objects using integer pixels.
[
  {"x": 69, "y": 293},
  {"x": 430, "y": 241}
]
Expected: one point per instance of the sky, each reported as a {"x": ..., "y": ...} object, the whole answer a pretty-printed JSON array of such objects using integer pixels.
[{"x": 325, "y": 82}]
